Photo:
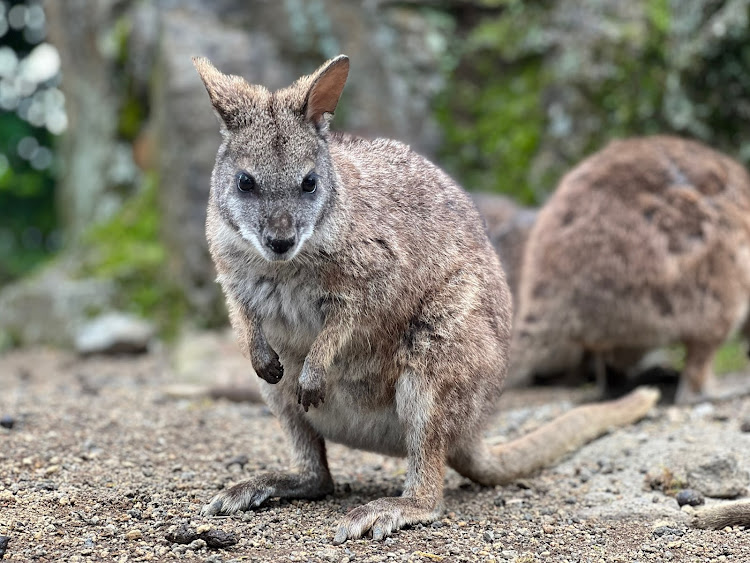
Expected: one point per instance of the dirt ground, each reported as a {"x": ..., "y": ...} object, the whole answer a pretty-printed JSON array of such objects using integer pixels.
[{"x": 102, "y": 464}]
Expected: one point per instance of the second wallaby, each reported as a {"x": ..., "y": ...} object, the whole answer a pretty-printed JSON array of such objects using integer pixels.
[
  {"x": 508, "y": 227},
  {"x": 644, "y": 244},
  {"x": 363, "y": 289}
]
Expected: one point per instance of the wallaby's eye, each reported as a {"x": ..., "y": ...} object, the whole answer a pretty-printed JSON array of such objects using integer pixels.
[
  {"x": 245, "y": 182},
  {"x": 310, "y": 183}
]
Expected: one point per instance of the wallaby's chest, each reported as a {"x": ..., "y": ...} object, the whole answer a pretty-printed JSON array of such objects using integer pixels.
[{"x": 289, "y": 308}]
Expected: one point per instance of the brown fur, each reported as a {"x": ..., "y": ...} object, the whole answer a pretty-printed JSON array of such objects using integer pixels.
[
  {"x": 508, "y": 227},
  {"x": 382, "y": 322},
  {"x": 644, "y": 244},
  {"x": 718, "y": 516}
]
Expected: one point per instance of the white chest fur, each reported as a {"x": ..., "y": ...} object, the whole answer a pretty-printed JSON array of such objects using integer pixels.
[{"x": 288, "y": 306}]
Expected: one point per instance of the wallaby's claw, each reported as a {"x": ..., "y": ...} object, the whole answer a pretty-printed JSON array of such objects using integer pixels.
[
  {"x": 381, "y": 518},
  {"x": 272, "y": 372},
  {"x": 310, "y": 397}
]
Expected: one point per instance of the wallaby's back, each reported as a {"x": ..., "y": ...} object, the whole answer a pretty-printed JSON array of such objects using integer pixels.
[{"x": 643, "y": 244}]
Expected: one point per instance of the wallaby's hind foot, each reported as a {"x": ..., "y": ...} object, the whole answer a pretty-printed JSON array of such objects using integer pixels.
[
  {"x": 254, "y": 492},
  {"x": 384, "y": 516},
  {"x": 310, "y": 479}
]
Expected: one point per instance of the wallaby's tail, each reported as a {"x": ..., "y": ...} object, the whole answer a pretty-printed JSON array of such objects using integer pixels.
[
  {"x": 719, "y": 516},
  {"x": 502, "y": 464}
]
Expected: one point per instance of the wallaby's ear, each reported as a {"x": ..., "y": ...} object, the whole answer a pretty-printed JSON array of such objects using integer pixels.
[
  {"x": 228, "y": 93},
  {"x": 326, "y": 89}
]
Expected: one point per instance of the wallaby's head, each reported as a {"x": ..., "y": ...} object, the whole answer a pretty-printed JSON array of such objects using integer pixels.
[{"x": 273, "y": 178}]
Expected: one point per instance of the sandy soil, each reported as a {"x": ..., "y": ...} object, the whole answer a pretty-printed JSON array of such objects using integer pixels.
[{"x": 102, "y": 465}]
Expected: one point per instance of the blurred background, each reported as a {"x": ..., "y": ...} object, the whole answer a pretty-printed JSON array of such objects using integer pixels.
[{"x": 107, "y": 137}]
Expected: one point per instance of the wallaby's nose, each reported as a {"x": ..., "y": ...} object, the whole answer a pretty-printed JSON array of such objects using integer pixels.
[{"x": 279, "y": 245}]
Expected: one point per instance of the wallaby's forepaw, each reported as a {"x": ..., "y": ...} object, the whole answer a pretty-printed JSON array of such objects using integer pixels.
[
  {"x": 383, "y": 517},
  {"x": 254, "y": 492},
  {"x": 271, "y": 369},
  {"x": 311, "y": 397},
  {"x": 312, "y": 388}
]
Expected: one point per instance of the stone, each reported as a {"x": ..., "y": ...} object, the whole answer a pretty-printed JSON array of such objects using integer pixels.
[
  {"x": 690, "y": 497},
  {"x": 213, "y": 538},
  {"x": 49, "y": 307},
  {"x": 114, "y": 333},
  {"x": 7, "y": 421},
  {"x": 718, "y": 476}
]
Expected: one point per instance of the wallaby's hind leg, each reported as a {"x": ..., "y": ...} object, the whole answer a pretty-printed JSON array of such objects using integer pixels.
[
  {"x": 697, "y": 379},
  {"x": 423, "y": 491},
  {"x": 310, "y": 480}
]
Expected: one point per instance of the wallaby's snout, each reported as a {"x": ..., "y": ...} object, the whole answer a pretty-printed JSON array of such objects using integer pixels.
[
  {"x": 280, "y": 234},
  {"x": 280, "y": 245}
]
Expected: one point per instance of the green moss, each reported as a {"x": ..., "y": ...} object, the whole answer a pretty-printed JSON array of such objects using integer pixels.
[
  {"x": 128, "y": 250},
  {"x": 731, "y": 357},
  {"x": 132, "y": 115},
  {"x": 533, "y": 93},
  {"x": 492, "y": 113}
]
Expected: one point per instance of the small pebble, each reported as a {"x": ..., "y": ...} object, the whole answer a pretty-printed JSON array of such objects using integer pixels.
[
  {"x": 689, "y": 496},
  {"x": 7, "y": 421},
  {"x": 240, "y": 460},
  {"x": 3, "y": 545},
  {"x": 196, "y": 545},
  {"x": 134, "y": 535},
  {"x": 668, "y": 531},
  {"x": 219, "y": 539},
  {"x": 488, "y": 536},
  {"x": 745, "y": 426}
]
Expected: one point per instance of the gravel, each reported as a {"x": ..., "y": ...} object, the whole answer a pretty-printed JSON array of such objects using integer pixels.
[{"x": 113, "y": 475}]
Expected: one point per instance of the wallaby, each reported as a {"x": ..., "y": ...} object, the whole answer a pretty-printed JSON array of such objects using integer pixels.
[
  {"x": 363, "y": 289},
  {"x": 508, "y": 227},
  {"x": 643, "y": 244}
]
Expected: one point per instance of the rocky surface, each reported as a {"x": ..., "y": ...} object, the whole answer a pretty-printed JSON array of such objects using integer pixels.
[
  {"x": 114, "y": 333},
  {"x": 50, "y": 306},
  {"x": 101, "y": 464}
]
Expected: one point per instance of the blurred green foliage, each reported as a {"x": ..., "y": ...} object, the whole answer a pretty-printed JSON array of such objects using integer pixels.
[
  {"x": 27, "y": 202},
  {"x": 730, "y": 358},
  {"x": 540, "y": 85},
  {"x": 127, "y": 249},
  {"x": 28, "y": 219}
]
